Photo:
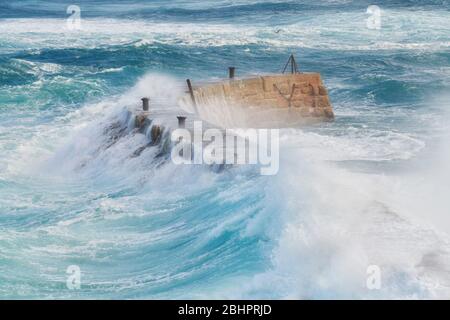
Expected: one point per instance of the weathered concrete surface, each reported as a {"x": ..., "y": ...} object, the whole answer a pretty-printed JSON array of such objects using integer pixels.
[{"x": 264, "y": 102}]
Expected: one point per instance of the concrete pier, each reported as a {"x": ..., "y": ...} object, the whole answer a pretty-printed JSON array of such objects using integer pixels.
[
  {"x": 276, "y": 101},
  {"x": 271, "y": 101}
]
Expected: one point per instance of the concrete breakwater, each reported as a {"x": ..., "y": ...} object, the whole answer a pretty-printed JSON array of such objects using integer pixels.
[
  {"x": 198, "y": 142},
  {"x": 158, "y": 126},
  {"x": 259, "y": 103},
  {"x": 275, "y": 101}
]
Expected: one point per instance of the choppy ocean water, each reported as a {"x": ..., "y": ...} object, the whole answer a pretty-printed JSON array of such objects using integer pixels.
[{"x": 370, "y": 188}]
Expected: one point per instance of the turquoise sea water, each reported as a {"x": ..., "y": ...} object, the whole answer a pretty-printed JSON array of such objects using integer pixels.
[{"x": 370, "y": 188}]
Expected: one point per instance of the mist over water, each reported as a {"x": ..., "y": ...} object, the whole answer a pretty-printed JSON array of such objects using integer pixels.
[{"x": 369, "y": 188}]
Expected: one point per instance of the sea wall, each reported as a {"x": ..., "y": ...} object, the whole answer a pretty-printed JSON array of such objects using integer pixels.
[{"x": 267, "y": 101}]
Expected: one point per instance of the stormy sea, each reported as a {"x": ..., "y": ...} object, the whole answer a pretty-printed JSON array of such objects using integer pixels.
[{"x": 367, "y": 191}]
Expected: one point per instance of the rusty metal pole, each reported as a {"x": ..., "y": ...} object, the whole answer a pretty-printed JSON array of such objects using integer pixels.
[
  {"x": 145, "y": 104},
  {"x": 292, "y": 64},
  {"x": 181, "y": 122},
  {"x": 231, "y": 72},
  {"x": 191, "y": 91}
]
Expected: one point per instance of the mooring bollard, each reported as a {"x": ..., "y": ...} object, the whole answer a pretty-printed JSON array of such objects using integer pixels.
[
  {"x": 155, "y": 134},
  {"x": 231, "y": 71},
  {"x": 181, "y": 122},
  {"x": 145, "y": 104}
]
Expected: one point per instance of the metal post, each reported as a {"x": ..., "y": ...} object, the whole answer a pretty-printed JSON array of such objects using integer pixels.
[
  {"x": 231, "y": 71},
  {"x": 145, "y": 104},
  {"x": 292, "y": 64},
  {"x": 191, "y": 91},
  {"x": 181, "y": 122}
]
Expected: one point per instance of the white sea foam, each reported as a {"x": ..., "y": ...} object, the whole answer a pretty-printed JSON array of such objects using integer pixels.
[
  {"x": 346, "y": 30},
  {"x": 335, "y": 223},
  {"x": 326, "y": 223},
  {"x": 356, "y": 144}
]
